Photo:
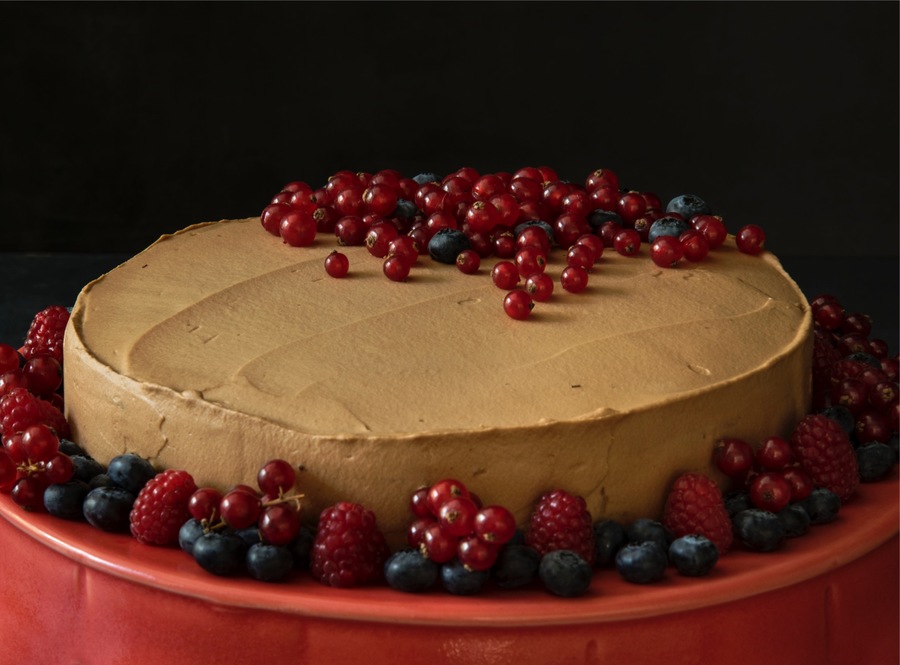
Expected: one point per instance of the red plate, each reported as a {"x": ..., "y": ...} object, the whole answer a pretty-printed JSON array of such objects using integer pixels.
[{"x": 72, "y": 594}]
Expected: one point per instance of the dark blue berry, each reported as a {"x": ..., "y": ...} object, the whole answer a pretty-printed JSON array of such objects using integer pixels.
[
  {"x": 302, "y": 546},
  {"x": 71, "y": 448},
  {"x": 422, "y": 178},
  {"x": 737, "y": 501},
  {"x": 795, "y": 521},
  {"x": 250, "y": 535},
  {"x": 599, "y": 217},
  {"x": 759, "y": 530},
  {"x": 668, "y": 226},
  {"x": 188, "y": 534},
  {"x": 269, "y": 563},
  {"x": 822, "y": 506},
  {"x": 516, "y": 566},
  {"x": 405, "y": 209},
  {"x": 410, "y": 571},
  {"x": 875, "y": 461},
  {"x": 101, "y": 480},
  {"x": 446, "y": 244},
  {"x": 645, "y": 529},
  {"x": 219, "y": 553},
  {"x": 693, "y": 555},
  {"x": 460, "y": 581},
  {"x": 866, "y": 358},
  {"x": 535, "y": 222},
  {"x": 130, "y": 472},
  {"x": 565, "y": 574},
  {"x": 108, "y": 508},
  {"x": 609, "y": 536},
  {"x": 66, "y": 500},
  {"x": 642, "y": 563},
  {"x": 85, "y": 468},
  {"x": 842, "y": 416},
  {"x": 688, "y": 205}
]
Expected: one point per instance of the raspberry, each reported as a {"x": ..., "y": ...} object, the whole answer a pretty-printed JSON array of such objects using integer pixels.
[
  {"x": 825, "y": 452},
  {"x": 561, "y": 521},
  {"x": 20, "y": 409},
  {"x": 695, "y": 507},
  {"x": 45, "y": 335},
  {"x": 161, "y": 508},
  {"x": 349, "y": 550}
]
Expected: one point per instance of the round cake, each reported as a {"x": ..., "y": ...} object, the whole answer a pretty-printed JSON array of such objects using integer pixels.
[{"x": 220, "y": 347}]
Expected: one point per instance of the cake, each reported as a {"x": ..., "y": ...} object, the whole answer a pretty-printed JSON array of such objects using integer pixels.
[
  {"x": 222, "y": 346},
  {"x": 219, "y": 348}
]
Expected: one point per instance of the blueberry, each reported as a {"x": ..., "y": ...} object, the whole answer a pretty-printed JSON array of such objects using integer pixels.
[
  {"x": 101, "y": 480},
  {"x": 460, "y": 581},
  {"x": 866, "y": 358},
  {"x": 219, "y": 553},
  {"x": 249, "y": 535},
  {"x": 599, "y": 217},
  {"x": 302, "y": 546},
  {"x": 130, "y": 472},
  {"x": 85, "y": 468},
  {"x": 693, "y": 555},
  {"x": 609, "y": 536},
  {"x": 516, "y": 566},
  {"x": 410, "y": 571},
  {"x": 737, "y": 501},
  {"x": 422, "y": 178},
  {"x": 795, "y": 521},
  {"x": 405, "y": 209},
  {"x": 875, "y": 461},
  {"x": 821, "y": 505},
  {"x": 446, "y": 244},
  {"x": 644, "y": 529},
  {"x": 565, "y": 574},
  {"x": 759, "y": 530},
  {"x": 842, "y": 416},
  {"x": 688, "y": 205},
  {"x": 188, "y": 534},
  {"x": 66, "y": 499},
  {"x": 269, "y": 563},
  {"x": 668, "y": 226},
  {"x": 71, "y": 448},
  {"x": 535, "y": 222},
  {"x": 642, "y": 563},
  {"x": 108, "y": 508}
]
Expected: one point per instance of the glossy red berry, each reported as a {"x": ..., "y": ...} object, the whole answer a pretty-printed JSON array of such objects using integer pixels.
[
  {"x": 539, "y": 286},
  {"x": 204, "y": 504},
  {"x": 518, "y": 305},
  {"x": 530, "y": 260},
  {"x": 504, "y": 245},
  {"x": 468, "y": 261},
  {"x": 694, "y": 245},
  {"x": 627, "y": 242},
  {"x": 594, "y": 243},
  {"x": 666, "y": 251},
  {"x": 8, "y": 471},
  {"x": 418, "y": 504},
  {"x": 457, "y": 516},
  {"x": 751, "y": 239},
  {"x": 337, "y": 265},
  {"x": 396, "y": 269},
  {"x": 380, "y": 199},
  {"x": 438, "y": 545},
  {"x": 829, "y": 316},
  {"x": 580, "y": 255},
  {"x": 240, "y": 508},
  {"x": 770, "y": 491},
  {"x": 379, "y": 238},
  {"x": 476, "y": 554},
  {"x": 495, "y": 525},
  {"x": 42, "y": 375},
  {"x": 482, "y": 216},
  {"x": 774, "y": 454},
  {"x": 535, "y": 236},
  {"x": 713, "y": 229},
  {"x": 59, "y": 469},
  {"x": 279, "y": 524},
  {"x": 631, "y": 205},
  {"x": 505, "y": 275},
  {"x": 40, "y": 443},
  {"x": 574, "y": 279},
  {"x": 442, "y": 491},
  {"x": 800, "y": 481},
  {"x": 350, "y": 230},
  {"x": 276, "y": 477},
  {"x": 9, "y": 358},
  {"x": 406, "y": 248},
  {"x": 601, "y": 178},
  {"x": 298, "y": 228},
  {"x": 733, "y": 457},
  {"x": 271, "y": 217}
]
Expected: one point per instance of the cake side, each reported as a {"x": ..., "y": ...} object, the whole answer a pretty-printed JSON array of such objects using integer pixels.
[{"x": 611, "y": 395}]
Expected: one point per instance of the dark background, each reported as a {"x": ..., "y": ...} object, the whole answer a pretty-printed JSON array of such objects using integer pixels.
[{"x": 120, "y": 122}]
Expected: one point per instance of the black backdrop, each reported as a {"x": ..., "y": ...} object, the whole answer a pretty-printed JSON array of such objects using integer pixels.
[{"x": 119, "y": 122}]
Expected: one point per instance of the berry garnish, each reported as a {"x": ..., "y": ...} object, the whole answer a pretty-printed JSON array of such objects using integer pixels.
[
  {"x": 565, "y": 573},
  {"x": 518, "y": 305},
  {"x": 693, "y": 555},
  {"x": 161, "y": 508},
  {"x": 734, "y": 458},
  {"x": 824, "y": 451},
  {"x": 574, "y": 279},
  {"x": 505, "y": 275},
  {"x": 641, "y": 563},
  {"x": 468, "y": 261},
  {"x": 561, "y": 521},
  {"x": 539, "y": 286},
  {"x": 349, "y": 550},
  {"x": 45, "y": 334},
  {"x": 396, "y": 268},
  {"x": 337, "y": 264},
  {"x": 750, "y": 239},
  {"x": 759, "y": 530},
  {"x": 694, "y": 505}
]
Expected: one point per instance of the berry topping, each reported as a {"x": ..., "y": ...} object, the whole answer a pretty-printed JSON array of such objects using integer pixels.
[
  {"x": 45, "y": 334},
  {"x": 695, "y": 506},
  {"x": 824, "y": 450},
  {"x": 565, "y": 573},
  {"x": 641, "y": 563},
  {"x": 161, "y": 508},
  {"x": 561, "y": 521},
  {"x": 693, "y": 556},
  {"x": 410, "y": 571},
  {"x": 19, "y": 409},
  {"x": 349, "y": 550}
]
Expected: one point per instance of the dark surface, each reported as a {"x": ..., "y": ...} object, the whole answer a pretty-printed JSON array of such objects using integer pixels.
[
  {"x": 122, "y": 121},
  {"x": 868, "y": 286}
]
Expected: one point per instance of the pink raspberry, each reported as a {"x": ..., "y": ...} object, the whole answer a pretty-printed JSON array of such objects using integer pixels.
[
  {"x": 561, "y": 521},
  {"x": 349, "y": 549},
  {"x": 825, "y": 452},
  {"x": 161, "y": 508},
  {"x": 695, "y": 506},
  {"x": 20, "y": 409},
  {"x": 45, "y": 335}
]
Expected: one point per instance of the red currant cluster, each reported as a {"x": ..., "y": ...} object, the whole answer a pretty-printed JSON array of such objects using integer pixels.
[
  {"x": 31, "y": 461},
  {"x": 273, "y": 509},
  {"x": 854, "y": 371},
  {"x": 516, "y": 217},
  {"x": 770, "y": 473},
  {"x": 450, "y": 522}
]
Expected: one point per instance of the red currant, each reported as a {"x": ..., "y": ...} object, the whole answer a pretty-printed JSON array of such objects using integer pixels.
[
  {"x": 631, "y": 206},
  {"x": 800, "y": 481},
  {"x": 774, "y": 454},
  {"x": 40, "y": 443},
  {"x": 239, "y": 508},
  {"x": 442, "y": 491},
  {"x": 349, "y": 202},
  {"x": 271, "y": 217},
  {"x": 418, "y": 503},
  {"x": 9, "y": 358},
  {"x": 28, "y": 492},
  {"x": 380, "y": 199},
  {"x": 518, "y": 305},
  {"x": 505, "y": 245},
  {"x": 42, "y": 375},
  {"x": 337, "y": 265},
  {"x": 350, "y": 230},
  {"x": 9, "y": 471},
  {"x": 751, "y": 239},
  {"x": 535, "y": 236},
  {"x": 457, "y": 516},
  {"x": 666, "y": 251},
  {"x": 713, "y": 229},
  {"x": 438, "y": 545},
  {"x": 298, "y": 228},
  {"x": 574, "y": 279},
  {"x": 580, "y": 255},
  {"x": 379, "y": 238},
  {"x": 396, "y": 268},
  {"x": 415, "y": 533},
  {"x": 488, "y": 186},
  {"x": 539, "y": 286},
  {"x": 605, "y": 198},
  {"x": 204, "y": 503},
  {"x": 694, "y": 245},
  {"x": 770, "y": 491},
  {"x": 279, "y": 524},
  {"x": 482, "y": 216},
  {"x": 627, "y": 242},
  {"x": 601, "y": 178},
  {"x": 505, "y": 275},
  {"x": 593, "y": 242},
  {"x": 495, "y": 525},
  {"x": 59, "y": 469},
  {"x": 476, "y": 554},
  {"x": 468, "y": 261},
  {"x": 733, "y": 457},
  {"x": 406, "y": 248},
  {"x": 530, "y": 260},
  {"x": 276, "y": 477},
  {"x": 568, "y": 228},
  {"x": 829, "y": 316}
]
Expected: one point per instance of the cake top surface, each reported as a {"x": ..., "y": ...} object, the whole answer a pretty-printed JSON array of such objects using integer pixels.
[{"x": 229, "y": 313}]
